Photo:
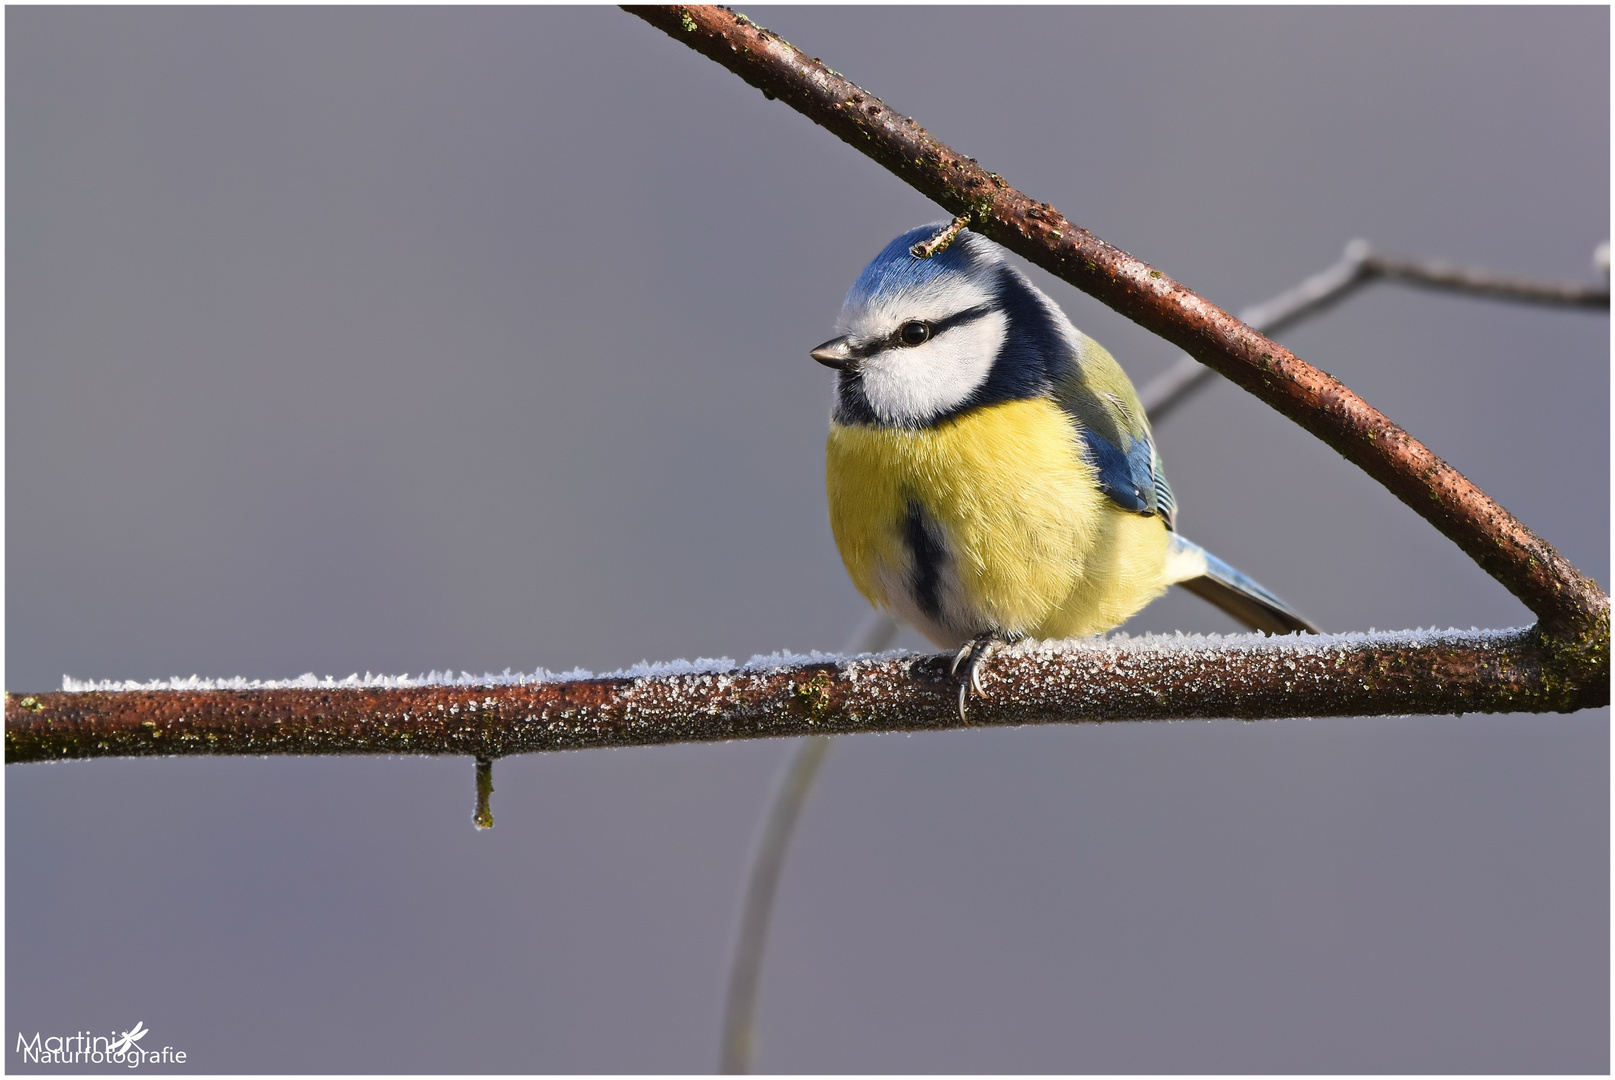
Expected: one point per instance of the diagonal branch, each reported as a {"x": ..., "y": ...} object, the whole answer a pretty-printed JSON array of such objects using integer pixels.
[{"x": 1568, "y": 603}]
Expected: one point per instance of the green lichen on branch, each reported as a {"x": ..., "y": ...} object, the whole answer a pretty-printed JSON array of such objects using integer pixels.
[
  {"x": 815, "y": 694},
  {"x": 1575, "y": 668}
]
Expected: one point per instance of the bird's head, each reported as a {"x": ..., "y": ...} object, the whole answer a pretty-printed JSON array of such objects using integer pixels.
[{"x": 921, "y": 340}]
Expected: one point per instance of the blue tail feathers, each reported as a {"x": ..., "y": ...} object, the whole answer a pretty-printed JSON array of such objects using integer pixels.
[{"x": 1240, "y": 596}]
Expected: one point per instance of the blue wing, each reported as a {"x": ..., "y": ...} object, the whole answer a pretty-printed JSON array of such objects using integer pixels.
[
  {"x": 1095, "y": 392},
  {"x": 1131, "y": 478}
]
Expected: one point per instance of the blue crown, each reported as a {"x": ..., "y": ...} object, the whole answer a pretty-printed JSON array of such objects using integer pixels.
[{"x": 896, "y": 270}]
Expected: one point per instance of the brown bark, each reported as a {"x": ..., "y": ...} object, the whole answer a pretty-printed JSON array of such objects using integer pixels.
[{"x": 1251, "y": 678}]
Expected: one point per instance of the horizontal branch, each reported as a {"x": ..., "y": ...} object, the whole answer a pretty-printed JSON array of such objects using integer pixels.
[
  {"x": 1149, "y": 678},
  {"x": 1568, "y": 604}
]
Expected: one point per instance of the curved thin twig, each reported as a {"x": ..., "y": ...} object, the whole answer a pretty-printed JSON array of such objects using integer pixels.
[
  {"x": 791, "y": 790},
  {"x": 1475, "y": 280},
  {"x": 757, "y": 907},
  {"x": 1358, "y": 265}
]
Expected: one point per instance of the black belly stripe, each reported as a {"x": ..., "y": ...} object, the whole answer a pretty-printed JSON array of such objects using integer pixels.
[{"x": 926, "y": 554}]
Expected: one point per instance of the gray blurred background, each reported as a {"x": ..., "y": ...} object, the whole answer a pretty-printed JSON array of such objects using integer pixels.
[{"x": 346, "y": 340}]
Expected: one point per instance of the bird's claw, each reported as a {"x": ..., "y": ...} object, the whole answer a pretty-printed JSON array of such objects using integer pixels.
[
  {"x": 959, "y": 657},
  {"x": 973, "y": 655}
]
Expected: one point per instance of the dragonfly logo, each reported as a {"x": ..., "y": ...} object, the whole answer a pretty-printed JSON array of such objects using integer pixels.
[
  {"x": 127, "y": 1040},
  {"x": 83, "y": 1048}
]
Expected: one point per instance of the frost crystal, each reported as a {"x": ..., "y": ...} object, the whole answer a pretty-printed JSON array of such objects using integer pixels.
[{"x": 1123, "y": 647}]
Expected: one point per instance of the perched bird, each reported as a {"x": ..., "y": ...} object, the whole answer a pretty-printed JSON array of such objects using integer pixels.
[{"x": 991, "y": 472}]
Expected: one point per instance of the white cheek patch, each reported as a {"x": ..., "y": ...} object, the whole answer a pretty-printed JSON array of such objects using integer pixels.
[{"x": 911, "y": 384}]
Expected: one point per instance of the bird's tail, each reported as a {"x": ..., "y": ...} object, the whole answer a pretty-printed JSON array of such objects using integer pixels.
[{"x": 1214, "y": 581}]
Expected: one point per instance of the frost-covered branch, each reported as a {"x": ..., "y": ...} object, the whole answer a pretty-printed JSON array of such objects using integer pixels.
[
  {"x": 1567, "y": 603},
  {"x": 1173, "y": 677}
]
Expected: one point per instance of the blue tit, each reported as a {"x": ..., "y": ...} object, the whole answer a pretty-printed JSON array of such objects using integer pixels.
[{"x": 991, "y": 472}]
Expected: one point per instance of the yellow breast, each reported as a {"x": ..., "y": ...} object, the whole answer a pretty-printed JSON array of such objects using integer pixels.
[{"x": 1028, "y": 542}]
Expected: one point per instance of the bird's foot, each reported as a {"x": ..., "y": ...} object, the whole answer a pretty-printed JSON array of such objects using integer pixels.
[{"x": 973, "y": 654}]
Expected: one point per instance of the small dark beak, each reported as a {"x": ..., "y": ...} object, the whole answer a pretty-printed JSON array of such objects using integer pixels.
[{"x": 837, "y": 353}]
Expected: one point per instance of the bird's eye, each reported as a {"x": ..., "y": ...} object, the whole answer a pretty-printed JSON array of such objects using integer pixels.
[{"x": 914, "y": 333}]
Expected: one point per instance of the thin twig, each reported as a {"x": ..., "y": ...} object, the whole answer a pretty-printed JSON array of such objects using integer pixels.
[
  {"x": 790, "y": 794},
  {"x": 757, "y": 907},
  {"x": 1436, "y": 274},
  {"x": 1162, "y": 395},
  {"x": 1569, "y": 604},
  {"x": 925, "y": 249},
  {"x": 483, "y": 818},
  {"x": 1357, "y": 266}
]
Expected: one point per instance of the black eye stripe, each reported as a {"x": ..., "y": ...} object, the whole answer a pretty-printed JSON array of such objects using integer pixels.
[
  {"x": 959, "y": 318},
  {"x": 895, "y": 338}
]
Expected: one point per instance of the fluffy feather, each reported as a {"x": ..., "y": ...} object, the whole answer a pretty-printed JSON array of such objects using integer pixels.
[{"x": 1017, "y": 537}]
